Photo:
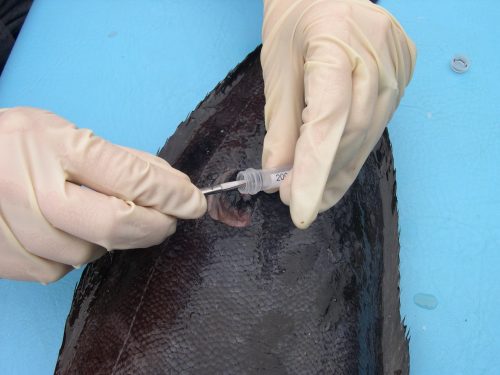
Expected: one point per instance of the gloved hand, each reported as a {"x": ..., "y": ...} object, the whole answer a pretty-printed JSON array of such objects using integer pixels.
[
  {"x": 334, "y": 72},
  {"x": 48, "y": 222}
]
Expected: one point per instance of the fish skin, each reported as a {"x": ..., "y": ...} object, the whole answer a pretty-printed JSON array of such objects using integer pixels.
[{"x": 266, "y": 298}]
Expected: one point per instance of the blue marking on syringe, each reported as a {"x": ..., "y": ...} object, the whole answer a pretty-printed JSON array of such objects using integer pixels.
[{"x": 257, "y": 180}]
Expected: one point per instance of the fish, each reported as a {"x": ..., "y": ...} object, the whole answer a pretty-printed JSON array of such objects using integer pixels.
[{"x": 242, "y": 290}]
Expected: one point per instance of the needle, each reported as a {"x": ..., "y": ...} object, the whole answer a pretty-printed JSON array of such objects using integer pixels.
[{"x": 225, "y": 186}]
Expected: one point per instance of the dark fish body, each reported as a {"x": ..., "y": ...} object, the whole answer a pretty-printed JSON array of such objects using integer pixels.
[{"x": 262, "y": 297}]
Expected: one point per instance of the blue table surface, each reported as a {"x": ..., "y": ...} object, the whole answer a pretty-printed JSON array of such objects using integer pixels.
[{"x": 132, "y": 72}]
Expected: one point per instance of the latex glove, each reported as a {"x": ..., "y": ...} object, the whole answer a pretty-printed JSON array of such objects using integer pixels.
[
  {"x": 48, "y": 222},
  {"x": 334, "y": 72}
]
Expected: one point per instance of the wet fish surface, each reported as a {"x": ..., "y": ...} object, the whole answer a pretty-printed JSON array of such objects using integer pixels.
[{"x": 242, "y": 290}]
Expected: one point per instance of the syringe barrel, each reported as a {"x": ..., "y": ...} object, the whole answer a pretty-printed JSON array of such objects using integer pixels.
[{"x": 261, "y": 179}]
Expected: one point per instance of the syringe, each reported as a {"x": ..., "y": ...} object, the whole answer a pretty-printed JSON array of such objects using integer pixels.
[
  {"x": 250, "y": 181},
  {"x": 260, "y": 179}
]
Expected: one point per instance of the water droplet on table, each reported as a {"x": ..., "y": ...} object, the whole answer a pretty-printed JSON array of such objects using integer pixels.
[{"x": 425, "y": 301}]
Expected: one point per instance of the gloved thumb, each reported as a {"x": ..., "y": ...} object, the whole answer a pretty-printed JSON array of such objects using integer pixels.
[
  {"x": 327, "y": 92},
  {"x": 283, "y": 115}
]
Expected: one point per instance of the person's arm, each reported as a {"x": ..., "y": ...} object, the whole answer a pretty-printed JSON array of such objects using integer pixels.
[
  {"x": 12, "y": 15},
  {"x": 49, "y": 223},
  {"x": 334, "y": 73}
]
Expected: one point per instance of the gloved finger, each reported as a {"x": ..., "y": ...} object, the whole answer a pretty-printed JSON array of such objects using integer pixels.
[
  {"x": 346, "y": 170},
  {"x": 105, "y": 220},
  {"x": 19, "y": 264},
  {"x": 114, "y": 171},
  {"x": 360, "y": 134},
  {"x": 406, "y": 51},
  {"x": 40, "y": 238},
  {"x": 401, "y": 49},
  {"x": 328, "y": 93},
  {"x": 161, "y": 163},
  {"x": 282, "y": 113}
]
